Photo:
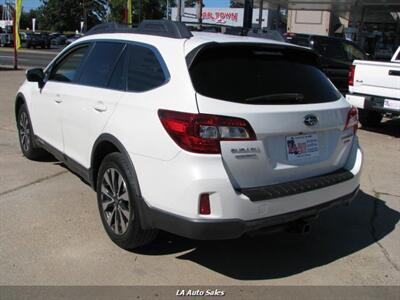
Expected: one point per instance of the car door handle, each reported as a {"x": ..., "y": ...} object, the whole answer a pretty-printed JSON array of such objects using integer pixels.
[
  {"x": 100, "y": 106},
  {"x": 58, "y": 99},
  {"x": 394, "y": 73}
]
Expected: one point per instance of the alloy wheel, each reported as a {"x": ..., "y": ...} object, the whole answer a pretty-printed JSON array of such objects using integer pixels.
[
  {"x": 115, "y": 201},
  {"x": 24, "y": 131}
]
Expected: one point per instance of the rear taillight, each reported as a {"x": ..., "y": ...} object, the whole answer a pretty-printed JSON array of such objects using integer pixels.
[
  {"x": 202, "y": 133},
  {"x": 352, "y": 119},
  {"x": 351, "y": 75}
]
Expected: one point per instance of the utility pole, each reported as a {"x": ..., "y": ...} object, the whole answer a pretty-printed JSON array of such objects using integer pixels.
[
  {"x": 247, "y": 16},
  {"x": 199, "y": 12},
  {"x": 260, "y": 13},
  {"x": 361, "y": 35},
  {"x": 167, "y": 13},
  {"x": 84, "y": 16},
  {"x": 140, "y": 10},
  {"x": 179, "y": 14}
]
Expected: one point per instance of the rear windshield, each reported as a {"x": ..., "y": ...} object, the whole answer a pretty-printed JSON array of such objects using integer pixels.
[{"x": 260, "y": 75}]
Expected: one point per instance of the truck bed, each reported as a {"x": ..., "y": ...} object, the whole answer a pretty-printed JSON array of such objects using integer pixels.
[{"x": 376, "y": 79}]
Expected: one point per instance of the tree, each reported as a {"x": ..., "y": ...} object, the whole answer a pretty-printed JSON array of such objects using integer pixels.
[
  {"x": 151, "y": 9},
  {"x": 237, "y": 4},
  {"x": 66, "y": 15},
  {"x": 117, "y": 9},
  {"x": 27, "y": 16}
]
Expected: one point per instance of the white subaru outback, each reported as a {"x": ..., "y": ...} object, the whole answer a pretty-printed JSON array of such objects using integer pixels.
[{"x": 205, "y": 135}]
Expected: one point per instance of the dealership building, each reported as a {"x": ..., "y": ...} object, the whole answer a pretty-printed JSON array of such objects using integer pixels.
[{"x": 373, "y": 24}]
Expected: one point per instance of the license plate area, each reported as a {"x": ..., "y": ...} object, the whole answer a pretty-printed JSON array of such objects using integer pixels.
[
  {"x": 300, "y": 147},
  {"x": 391, "y": 104}
]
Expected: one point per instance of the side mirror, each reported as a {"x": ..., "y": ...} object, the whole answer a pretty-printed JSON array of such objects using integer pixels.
[{"x": 36, "y": 75}]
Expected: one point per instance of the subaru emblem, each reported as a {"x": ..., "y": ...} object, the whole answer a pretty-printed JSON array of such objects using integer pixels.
[{"x": 310, "y": 120}]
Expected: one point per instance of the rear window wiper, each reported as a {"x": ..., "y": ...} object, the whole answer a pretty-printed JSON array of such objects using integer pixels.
[{"x": 286, "y": 97}]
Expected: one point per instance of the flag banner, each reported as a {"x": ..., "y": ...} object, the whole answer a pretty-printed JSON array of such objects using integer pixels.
[
  {"x": 129, "y": 7},
  {"x": 18, "y": 9}
]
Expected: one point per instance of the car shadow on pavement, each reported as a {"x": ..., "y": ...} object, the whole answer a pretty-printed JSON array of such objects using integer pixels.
[
  {"x": 337, "y": 233},
  {"x": 390, "y": 127}
]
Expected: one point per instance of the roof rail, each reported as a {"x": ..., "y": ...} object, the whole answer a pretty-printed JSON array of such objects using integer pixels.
[
  {"x": 111, "y": 27},
  {"x": 164, "y": 28}
]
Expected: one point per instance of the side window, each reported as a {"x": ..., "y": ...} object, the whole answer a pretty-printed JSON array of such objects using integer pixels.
[
  {"x": 118, "y": 77},
  {"x": 353, "y": 52},
  {"x": 144, "y": 69},
  {"x": 100, "y": 63},
  {"x": 330, "y": 48},
  {"x": 67, "y": 69}
]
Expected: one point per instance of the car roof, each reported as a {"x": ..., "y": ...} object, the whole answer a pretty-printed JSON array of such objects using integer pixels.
[
  {"x": 189, "y": 44},
  {"x": 200, "y": 38}
]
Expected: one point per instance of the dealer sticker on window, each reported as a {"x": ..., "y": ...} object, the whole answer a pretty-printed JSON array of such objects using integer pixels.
[{"x": 302, "y": 146}]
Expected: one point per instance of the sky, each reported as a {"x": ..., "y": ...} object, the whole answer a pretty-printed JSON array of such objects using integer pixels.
[
  {"x": 29, "y": 4},
  {"x": 216, "y": 3}
]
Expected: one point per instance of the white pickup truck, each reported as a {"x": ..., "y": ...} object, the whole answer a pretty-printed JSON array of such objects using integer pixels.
[{"x": 374, "y": 88}]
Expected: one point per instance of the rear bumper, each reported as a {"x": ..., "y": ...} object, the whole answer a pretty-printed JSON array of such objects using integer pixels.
[
  {"x": 374, "y": 103},
  {"x": 297, "y": 186},
  {"x": 211, "y": 229}
]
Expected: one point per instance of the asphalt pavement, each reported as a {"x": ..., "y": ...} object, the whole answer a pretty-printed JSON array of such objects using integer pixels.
[
  {"x": 28, "y": 58},
  {"x": 51, "y": 233}
]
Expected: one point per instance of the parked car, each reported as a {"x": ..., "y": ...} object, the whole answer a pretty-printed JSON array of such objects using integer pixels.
[
  {"x": 266, "y": 34},
  {"x": 73, "y": 38},
  {"x": 204, "y": 135},
  {"x": 58, "y": 39},
  {"x": 374, "y": 87},
  {"x": 336, "y": 55},
  {"x": 6, "y": 36},
  {"x": 33, "y": 40}
]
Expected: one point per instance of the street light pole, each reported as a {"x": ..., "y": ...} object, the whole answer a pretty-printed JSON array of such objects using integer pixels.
[
  {"x": 15, "y": 39},
  {"x": 84, "y": 16}
]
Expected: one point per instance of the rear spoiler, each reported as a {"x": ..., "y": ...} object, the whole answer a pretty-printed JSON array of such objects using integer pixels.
[{"x": 311, "y": 56}]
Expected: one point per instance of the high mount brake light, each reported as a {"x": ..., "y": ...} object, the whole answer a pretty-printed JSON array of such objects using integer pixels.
[
  {"x": 351, "y": 75},
  {"x": 352, "y": 119},
  {"x": 201, "y": 133}
]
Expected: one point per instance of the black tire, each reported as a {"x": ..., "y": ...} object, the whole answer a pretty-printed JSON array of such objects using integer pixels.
[
  {"x": 26, "y": 137},
  {"x": 369, "y": 118},
  {"x": 28, "y": 45},
  {"x": 121, "y": 217}
]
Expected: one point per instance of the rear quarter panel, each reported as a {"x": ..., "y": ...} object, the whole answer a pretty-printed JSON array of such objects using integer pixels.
[{"x": 135, "y": 122}]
